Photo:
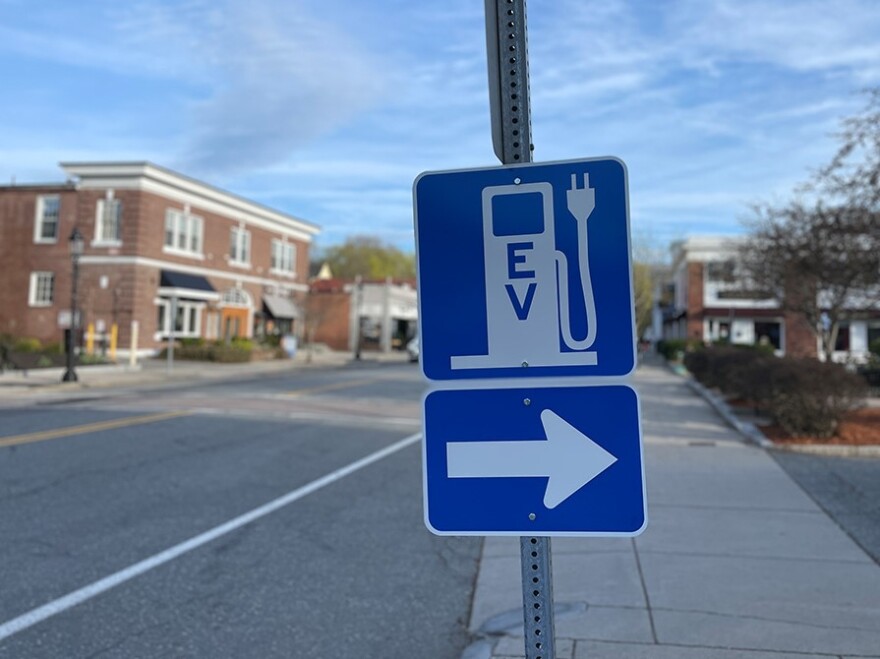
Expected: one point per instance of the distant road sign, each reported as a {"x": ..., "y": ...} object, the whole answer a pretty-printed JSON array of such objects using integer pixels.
[
  {"x": 521, "y": 460},
  {"x": 524, "y": 271}
]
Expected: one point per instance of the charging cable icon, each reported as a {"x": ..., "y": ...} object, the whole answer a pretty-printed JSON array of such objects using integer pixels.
[{"x": 528, "y": 303}]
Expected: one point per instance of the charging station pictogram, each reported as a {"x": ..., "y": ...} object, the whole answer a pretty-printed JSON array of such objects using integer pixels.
[
  {"x": 527, "y": 332},
  {"x": 524, "y": 271}
]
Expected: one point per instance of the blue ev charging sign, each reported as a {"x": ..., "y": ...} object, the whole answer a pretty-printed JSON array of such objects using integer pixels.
[
  {"x": 534, "y": 460},
  {"x": 525, "y": 271}
]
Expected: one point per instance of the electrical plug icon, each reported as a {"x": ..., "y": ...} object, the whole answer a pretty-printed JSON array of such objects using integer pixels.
[
  {"x": 581, "y": 204},
  {"x": 581, "y": 201}
]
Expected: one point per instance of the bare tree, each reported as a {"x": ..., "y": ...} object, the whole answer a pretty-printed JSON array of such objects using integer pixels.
[
  {"x": 818, "y": 261},
  {"x": 821, "y": 259},
  {"x": 854, "y": 172},
  {"x": 315, "y": 311}
]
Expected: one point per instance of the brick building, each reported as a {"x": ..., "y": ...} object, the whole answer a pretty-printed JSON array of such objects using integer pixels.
[
  {"x": 709, "y": 302},
  {"x": 383, "y": 313},
  {"x": 154, "y": 240}
]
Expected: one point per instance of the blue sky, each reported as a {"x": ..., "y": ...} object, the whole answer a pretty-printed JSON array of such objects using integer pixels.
[{"x": 328, "y": 109}]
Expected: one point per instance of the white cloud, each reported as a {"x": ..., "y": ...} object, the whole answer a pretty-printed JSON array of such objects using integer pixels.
[{"x": 280, "y": 79}]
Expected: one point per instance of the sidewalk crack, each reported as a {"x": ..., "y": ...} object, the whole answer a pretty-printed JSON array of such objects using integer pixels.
[
  {"x": 745, "y": 616},
  {"x": 645, "y": 591}
]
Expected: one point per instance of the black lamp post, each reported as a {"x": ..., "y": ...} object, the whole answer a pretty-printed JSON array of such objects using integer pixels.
[
  {"x": 76, "y": 249},
  {"x": 359, "y": 289}
]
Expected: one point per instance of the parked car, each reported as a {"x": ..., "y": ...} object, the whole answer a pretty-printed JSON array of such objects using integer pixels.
[{"x": 412, "y": 348}]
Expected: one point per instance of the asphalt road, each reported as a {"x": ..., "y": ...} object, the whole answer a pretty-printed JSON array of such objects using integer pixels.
[
  {"x": 342, "y": 568},
  {"x": 848, "y": 489}
]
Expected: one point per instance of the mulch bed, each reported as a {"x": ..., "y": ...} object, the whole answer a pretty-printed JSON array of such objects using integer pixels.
[{"x": 859, "y": 427}]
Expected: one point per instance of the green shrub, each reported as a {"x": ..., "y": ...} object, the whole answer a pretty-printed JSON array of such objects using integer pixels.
[
  {"x": 91, "y": 360},
  {"x": 804, "y": 396},
  {"x": 672, "y": 349},
  {"x": 231, "y": 354},
  {"x": 809, "y": 397},
  {"x": 871, "y": 374},
  {"x": 193, "y": 341},
  {"x": 874, "y": 347},
  {"x": 210, "y": 352},
  {"x": 54, "y": 348},
  {"x": 733, "y": 370},
  {"x": 242, "y": 343},
  {"x": 27, "y": 344}
]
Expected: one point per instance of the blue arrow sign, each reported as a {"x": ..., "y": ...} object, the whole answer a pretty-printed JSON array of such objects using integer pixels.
[
  {"x": 551, "y": 460},
  {"x": 524, "y": 271}
]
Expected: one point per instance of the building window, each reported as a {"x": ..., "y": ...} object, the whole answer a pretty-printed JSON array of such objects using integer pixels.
[
  {"x": 108, "y": 220},
  {"x": 187, "y": 318},
  {"x": 721, "y": 271},
  {"x": 48, "y": 212},
  {"x": 183, "y": 233},
  {"x": 283, "y": 257},
  {"x": 769, "y": 333},
  {"x": 240, "y": 246},
  {"x": 842, "y": 343},
  {"x": 42, "y": 289},
  {"x": 874, "y": 336}
]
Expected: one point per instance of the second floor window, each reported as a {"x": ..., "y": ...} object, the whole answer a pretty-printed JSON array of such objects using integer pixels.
[
  {"x": 721, "y": 271},
  {"x": 283, "y": 257},
  {"x": 108, "y": 221},
  {"x": 240, "y": 246},
  {"x": 183, "y": 232},
  {"x": 48, "y": 212},
  {"x": 42, "y": 290}
]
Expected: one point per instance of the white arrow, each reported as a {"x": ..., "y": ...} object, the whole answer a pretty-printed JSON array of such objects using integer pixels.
[{"x": 568, "y": 458}]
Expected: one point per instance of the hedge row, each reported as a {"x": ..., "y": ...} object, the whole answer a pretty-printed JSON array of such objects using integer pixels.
[
  {"x": 233, "y": 353},
  {"x": 805, "y": 397}
]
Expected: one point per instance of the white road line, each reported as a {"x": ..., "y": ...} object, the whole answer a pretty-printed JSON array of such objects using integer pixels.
[{"x": 70, "y": 600}]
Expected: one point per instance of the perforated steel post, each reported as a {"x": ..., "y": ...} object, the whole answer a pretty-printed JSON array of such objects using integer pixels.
[{"x": 507, "y": 50}]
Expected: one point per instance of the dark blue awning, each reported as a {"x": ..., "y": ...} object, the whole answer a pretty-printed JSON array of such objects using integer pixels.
[{"x": 183, "y": 280}]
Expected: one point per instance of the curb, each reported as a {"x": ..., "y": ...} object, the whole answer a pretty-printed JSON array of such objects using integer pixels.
[
  {"x": 752, "y": 434},
  {"x": 153, "y": 377},
  {"x": 833, "y": 450},
  {"x": 745, "y": 428}
]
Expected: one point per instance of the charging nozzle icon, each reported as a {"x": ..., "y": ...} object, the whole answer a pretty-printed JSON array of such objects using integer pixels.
[
  {"x": 581, "y": 201},
  {"x": 581, "y": 204}
]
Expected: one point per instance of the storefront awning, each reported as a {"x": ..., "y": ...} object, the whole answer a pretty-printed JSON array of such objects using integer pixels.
[
  {"x": 185, "y": 285},
  {"x": 281, "y": 308}
]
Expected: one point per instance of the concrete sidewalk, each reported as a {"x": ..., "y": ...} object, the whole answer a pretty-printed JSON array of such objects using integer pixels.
[
  {"x": 156, "y": 373},
  {"x": 737, "y": 561}
]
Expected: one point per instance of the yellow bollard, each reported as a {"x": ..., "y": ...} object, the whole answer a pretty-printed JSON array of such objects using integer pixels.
[
  {"x": 90, "y": 339},
  {"x": 114, "y": 336}
]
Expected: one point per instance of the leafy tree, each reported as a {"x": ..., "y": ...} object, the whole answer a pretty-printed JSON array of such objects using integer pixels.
[
  {"x": 369, "y": 257},
  {"x": 643, "y": 293},
  {"x": 821, "y": 258},
  {"x": 648, "y": 257}
]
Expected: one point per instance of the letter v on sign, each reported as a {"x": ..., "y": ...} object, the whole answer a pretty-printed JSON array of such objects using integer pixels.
[{"x": 521, "y": 308}]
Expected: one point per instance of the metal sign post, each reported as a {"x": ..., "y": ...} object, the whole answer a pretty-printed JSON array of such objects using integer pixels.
[{"x": 507, "y": 53}]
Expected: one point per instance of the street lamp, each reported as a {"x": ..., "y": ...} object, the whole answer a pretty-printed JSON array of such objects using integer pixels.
[
  {"x": 76, "y": 249},
  {"x": 359, "y": 289}
]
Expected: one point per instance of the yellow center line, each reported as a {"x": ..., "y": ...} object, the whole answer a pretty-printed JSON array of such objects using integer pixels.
[
  {"x": 331, "y": 387},
  {"x": 29, "y": 438}
]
